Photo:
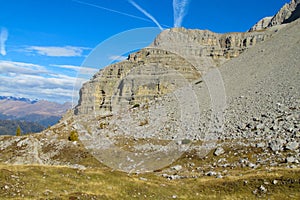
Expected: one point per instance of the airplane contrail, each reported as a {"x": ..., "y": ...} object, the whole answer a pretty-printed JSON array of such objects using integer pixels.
[
  {"x": 146, "y": 13},
  {"x": 3, "y": 38},
  {"x": 179, "y": 9},
  {"x": 111, "y": 10}
]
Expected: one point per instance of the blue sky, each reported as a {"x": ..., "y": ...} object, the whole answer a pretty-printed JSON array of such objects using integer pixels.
[{"x": 45, "y": 42}]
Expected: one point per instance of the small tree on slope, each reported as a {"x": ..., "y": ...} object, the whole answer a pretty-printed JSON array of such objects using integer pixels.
[{"x": 18, "y": 131}]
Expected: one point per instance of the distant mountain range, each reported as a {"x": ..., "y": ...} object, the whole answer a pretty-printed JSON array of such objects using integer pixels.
[
  {"x": 39, "y": 114},
  {"x": 18, "y": 99}
]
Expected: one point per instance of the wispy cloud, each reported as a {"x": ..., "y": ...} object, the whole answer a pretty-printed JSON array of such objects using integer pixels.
[
  {"x": 34, "y": 86},
  {"x": 3, "y": 38},
  {"x": 180, "y": 8},
  {"x": 117, "y": 58},
  {"x": 66, "y": 51},
  {"x": 111, "y": 10},
  {"x": 145, "y": 13},
  {"x": 79, "y": 69},
  {"x": 9, "y": 67}
]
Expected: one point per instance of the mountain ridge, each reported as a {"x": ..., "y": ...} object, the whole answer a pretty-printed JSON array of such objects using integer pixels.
[
  {"x": 23, "y": 99},
  {"x": 288, "y": 13},
  {"x": 38, "y": 113}
]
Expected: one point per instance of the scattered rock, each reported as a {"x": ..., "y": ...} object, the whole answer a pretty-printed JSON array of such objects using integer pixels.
[
  {"x": 143, "y": 179},
  {"x": 290, "y": 159},
  {"x": 177, "y": 167},
  {"x": 211, "y": 173},
  {"x": 260, "y": 126},
  {"x": 219, "y": 151},
  {"x": 275, "y": 146},
  {"x": 219, "y": 175},
  {"x": 292, "y": 146},
  {"x": 47, "y": 192},
  {"x": 172, "y": 177},
  {"x": 261, "y": 145},
  {"x": 251, "y": 165},
  {"x": 262, "y": 189}
]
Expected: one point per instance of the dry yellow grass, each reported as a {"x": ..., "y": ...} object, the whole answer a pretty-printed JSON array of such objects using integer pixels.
[{"x": 56, "y": 182}]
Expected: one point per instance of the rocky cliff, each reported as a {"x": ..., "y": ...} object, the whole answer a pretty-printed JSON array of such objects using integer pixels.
[
  {"x": 188, "y": 52},
  {"x": 288, "y": 13},
  {"x": 206, "y": 49},
  {"x": 144, "y": 76}
]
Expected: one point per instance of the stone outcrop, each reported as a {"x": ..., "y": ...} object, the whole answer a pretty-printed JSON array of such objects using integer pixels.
[
  {"x": 178, "y": 50},
  {"x": 261, "y": 24},
  {"x": 206, "y": 49},
  {"x": 288, "y": 13},
  {"x": 144, "y": 76}
]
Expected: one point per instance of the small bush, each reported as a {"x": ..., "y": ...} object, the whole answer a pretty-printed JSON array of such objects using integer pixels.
[
  {"x": 103, "y": 125},
  {"x": 73, "y": 136},
  {"x": 185, "y": 141}
]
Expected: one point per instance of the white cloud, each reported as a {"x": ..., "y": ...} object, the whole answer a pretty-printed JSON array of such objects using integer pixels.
[
  {"x": 79, "y": 69},
  {"x": 59, "y": 88},
  {"x": 117, "y": 58},
  {"x": 145, "y": 13},
  {"x": 72, "y": 67},
  {"x": 180, "y": 10},
  {"x": 3, "y": 38},
  {"x": 66, "y": 51},
  {"x": 9, "y": 67},
  {"x": 35, "y": 81}
]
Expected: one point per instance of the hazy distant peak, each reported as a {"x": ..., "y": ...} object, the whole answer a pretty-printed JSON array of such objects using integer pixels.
[{"x": 22, "y": 99}]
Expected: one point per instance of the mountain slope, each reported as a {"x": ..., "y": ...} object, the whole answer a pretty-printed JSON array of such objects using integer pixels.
[
  {"x": 161, "y": 94},
  {"x": 235, "y": 97}
]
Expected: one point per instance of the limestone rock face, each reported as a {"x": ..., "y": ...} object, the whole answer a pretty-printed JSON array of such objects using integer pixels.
[
  {"x": 288, "y": 13},
  {"x": 178, "y": 56},
  {"x": 144, "y": 76},
  {"x": 261, "y": 24},
  {"x": 285, "y": 13},
  {"x": 175, "y": 54},
  {"x": 206, "y": 49}
]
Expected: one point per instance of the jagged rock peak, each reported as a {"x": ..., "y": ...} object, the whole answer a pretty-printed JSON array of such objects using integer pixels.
[
  {"x": 206, "y": 49},
  {"x": 261, "y": 24},
  {"x": 288, "y": 13}
]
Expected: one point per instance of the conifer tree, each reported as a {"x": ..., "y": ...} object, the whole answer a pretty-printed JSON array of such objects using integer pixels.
[{"x": 18, "y": 131}]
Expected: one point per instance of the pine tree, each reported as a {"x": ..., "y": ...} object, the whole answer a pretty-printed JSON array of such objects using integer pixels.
[{"x": 18, "y": 131}]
